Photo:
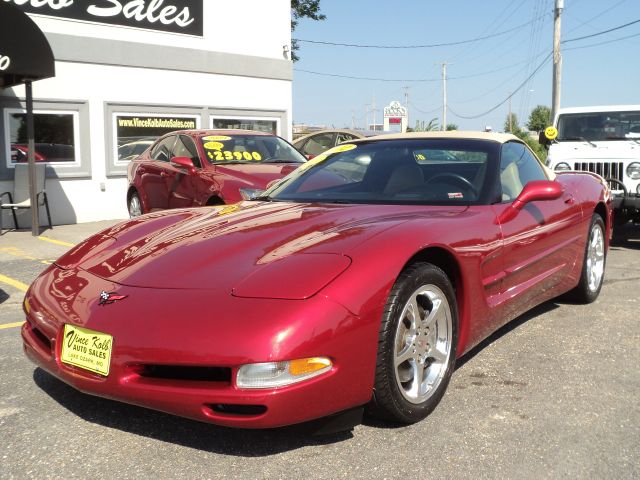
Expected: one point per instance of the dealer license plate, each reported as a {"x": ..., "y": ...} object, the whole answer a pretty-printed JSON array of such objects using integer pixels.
[{"x": 87, "y": 349}]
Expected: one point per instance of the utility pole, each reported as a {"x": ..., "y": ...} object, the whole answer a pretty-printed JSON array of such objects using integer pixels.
[
  {"x": 406, "y": 101},
  {"x": 557, "y": 59},
  {"x": 510, "y": 117},
  {"x": 374, "y": 110},
  {"x": 353, "y": 119},
  {"x": 443, "y": 126},
  {"x": 366, "y": 116}
]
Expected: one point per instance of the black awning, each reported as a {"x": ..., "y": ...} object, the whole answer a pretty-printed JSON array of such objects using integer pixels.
[{"x": 25, "y": 53}]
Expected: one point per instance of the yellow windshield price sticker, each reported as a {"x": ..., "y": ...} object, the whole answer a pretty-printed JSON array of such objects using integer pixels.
[
  {"x": 323, "y": 156},
  {"x": 87, "y": 349},
  {"x": 229, "y": 156},
  {"x": 342, "y": 148},
  {"x": 216, "y": 138},
  {"x": 551, "y": 133},
  {"x": 213, "y": 146}
]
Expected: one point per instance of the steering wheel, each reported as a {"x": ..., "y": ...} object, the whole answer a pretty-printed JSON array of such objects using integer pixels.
[{"x": 462, "y": 181}]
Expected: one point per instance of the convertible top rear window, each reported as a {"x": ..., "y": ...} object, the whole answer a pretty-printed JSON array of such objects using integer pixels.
[{"x": 415, "y": 171}]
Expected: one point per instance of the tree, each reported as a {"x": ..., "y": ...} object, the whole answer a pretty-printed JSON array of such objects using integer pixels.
[
  {"x": 539, "y": 119},
  {"x": 452, "y": 126},
  {"x": 422, "y": 126},
  {"x": 303, "y": 9},
  {"x": 511, "y": 124}
]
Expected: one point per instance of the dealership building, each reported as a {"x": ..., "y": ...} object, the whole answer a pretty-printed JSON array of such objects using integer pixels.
[{"x": 127, "y": 71}]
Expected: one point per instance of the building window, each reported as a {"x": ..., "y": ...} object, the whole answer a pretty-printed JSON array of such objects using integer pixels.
[
  {"x": 135, "y": 132},
  {"x": 56, "y": 135},
  {"x": 260, "y": 124}
]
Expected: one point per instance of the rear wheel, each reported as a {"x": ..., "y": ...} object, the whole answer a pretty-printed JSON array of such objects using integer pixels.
[
  {"x": 134, "y": 205},
  {"x": 417, "y": 345},
  {"x": 593, "y": 265}
]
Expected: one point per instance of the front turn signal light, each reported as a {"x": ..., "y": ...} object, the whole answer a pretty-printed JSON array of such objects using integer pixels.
[
  {"x": 25, "y": 306},
  {"x": 280, "y": 374}
]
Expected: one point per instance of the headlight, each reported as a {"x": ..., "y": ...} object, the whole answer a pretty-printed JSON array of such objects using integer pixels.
[
  {"x": 633, "y": 171},
  {"x": 562, "y": 167},
  {"x": 249, "y": 193},
  {"x": 280, "y": 374}
]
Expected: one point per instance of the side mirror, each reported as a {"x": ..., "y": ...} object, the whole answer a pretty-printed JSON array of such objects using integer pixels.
[
  {"x": 184, "y": 163},
  {"x": 534, "y": 191}
]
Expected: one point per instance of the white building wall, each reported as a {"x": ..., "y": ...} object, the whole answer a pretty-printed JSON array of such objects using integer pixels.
[{"x": 246, "y": 27}]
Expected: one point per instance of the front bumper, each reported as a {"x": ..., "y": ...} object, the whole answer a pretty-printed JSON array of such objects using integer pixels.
[
  {"x": 628, "y": 202},
  {"x": 302, "y": 328}
]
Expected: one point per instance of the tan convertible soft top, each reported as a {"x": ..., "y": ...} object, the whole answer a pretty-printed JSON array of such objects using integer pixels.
[{"x": 496, "y": 137}]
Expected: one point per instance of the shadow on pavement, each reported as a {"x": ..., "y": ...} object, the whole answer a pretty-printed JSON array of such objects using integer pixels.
[
  {"x": 509, "y": 327},
  {"x": 182, "y": 431},
  {"x": 626, "y": 237}
]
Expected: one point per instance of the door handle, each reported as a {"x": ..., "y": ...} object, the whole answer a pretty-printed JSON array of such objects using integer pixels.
[
  {"x": 569, "y": 200},
  {"x": 164, "y": 174}
]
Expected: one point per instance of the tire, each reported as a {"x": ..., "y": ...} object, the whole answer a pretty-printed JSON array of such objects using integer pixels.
[
  {"x": 593, "y": 264},
  {"x": 416, "y": 355},
  {"x": 134, "y": 205}
]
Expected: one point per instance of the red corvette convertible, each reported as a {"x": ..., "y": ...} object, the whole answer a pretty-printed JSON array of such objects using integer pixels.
[
  {"x": 356, "y": 281},
  {"x": 192, "y": 168}
]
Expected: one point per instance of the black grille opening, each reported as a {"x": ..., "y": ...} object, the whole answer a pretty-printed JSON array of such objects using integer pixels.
[
  {"x": 182, "y": 372},
  {"x": 42, "y": 338},
  {"x": 235, "y": 409},
  {"x": 613, "y": 170}
]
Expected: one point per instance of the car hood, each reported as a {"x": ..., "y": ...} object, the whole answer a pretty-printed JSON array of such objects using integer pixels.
[
  {"x": 610, "y": 151},
  {"x": 226, "y": 247}
]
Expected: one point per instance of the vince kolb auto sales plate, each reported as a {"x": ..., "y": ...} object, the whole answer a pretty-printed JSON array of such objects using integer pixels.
[{"x": 87, "y": 349}]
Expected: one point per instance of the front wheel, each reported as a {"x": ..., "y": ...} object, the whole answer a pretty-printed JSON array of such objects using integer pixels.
[
  {"x": 416, "y": 346},
  {"x": 134, "y": 205},
  {"x": 592, "y": 276}
]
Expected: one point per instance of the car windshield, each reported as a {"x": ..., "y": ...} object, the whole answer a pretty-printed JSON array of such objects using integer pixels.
[
  {"x": 249, "y": 149},
  {"x": 599, "y": 126},
  {"x": 413, "y": 171}
]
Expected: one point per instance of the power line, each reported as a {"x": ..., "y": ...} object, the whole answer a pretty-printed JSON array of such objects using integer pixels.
[
  {"x": 433, "y": 45},
  {"x": 602, "y": 32},
  {"x": 424, "y": 112},
  {"x": 600, "y": 14},
  {"x": 367, "y": 78},
  {"x": 546, "y": 59},
  {"x": 603, "y": 43},
  {"x": 459, "y": 77},
  {"x": 472, "y": 117}
]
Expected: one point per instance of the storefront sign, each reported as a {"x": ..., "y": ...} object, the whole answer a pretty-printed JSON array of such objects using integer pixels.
[
  {"x": 395, "y": 109},
  {"x": 395, "y": 114},
  {"x": 5, "y": 61},
  {"x": 176, "y": 16}
]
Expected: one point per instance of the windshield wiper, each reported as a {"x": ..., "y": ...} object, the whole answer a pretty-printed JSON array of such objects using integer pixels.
[
  {"x": 280, "y": 161},
  {"x": 582, "y": 139}
]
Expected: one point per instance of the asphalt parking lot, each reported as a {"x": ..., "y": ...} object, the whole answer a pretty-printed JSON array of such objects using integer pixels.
[{"x": 553, "y": 394}]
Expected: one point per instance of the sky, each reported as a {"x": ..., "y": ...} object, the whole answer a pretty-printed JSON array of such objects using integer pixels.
[{"x": 481, "y": 74}]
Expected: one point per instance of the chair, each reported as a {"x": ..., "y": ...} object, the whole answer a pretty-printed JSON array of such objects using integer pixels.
[{"x": 20, "y": 198}]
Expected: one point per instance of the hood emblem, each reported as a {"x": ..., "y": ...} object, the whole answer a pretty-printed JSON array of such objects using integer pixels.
[{"x": 107, "y": 298}]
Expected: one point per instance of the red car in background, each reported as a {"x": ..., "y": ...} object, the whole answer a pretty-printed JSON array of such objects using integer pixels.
[{"x": 192, "y": 168}]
